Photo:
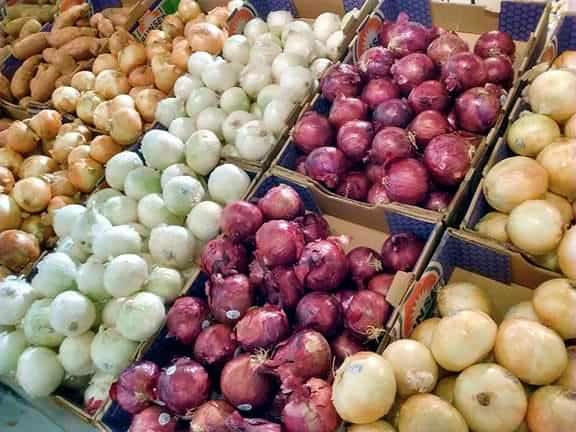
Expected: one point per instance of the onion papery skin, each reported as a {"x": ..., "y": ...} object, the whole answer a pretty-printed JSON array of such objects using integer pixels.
[
  {"x": 448, "y": 159},
  {"x": 136, "y": 387},
  {"x": 463, "y": 71},
  {"x": 321, "y": 312},
  {"x": 406, "y": 181},
  {"x": 211, "y": 416},
  {"x": 363, "y": 264},
  {"x": 262, "y": 328},
  {"x": 400, "y": 252},
  {"x": 215, "y": 345},
  {"x": 354, "y": 139},
  {"x": 405, "y": 37},
  {"x": 552, "y": 408},
  {"x": 494, "y": 43},
  {"x": 312, "y": 131},
  {"x": 326, "y": 165},
  {"x": 153, "y": 419},
  {"x": 366, "y": 315},
  {"x": 314, "y": 227},
  {"x": 186, "y": 318},
  {"x": 477, "y": 110},
  {"x": 445, "y": 45},
  {"x": 236, "y": 423},
  {"x": 390, "y": 144},
  {"x": 281, "y": 287},
  {"x": 279, "y": 242},
  {"x": 223, "y": 256},
  {"x": 229, "y": 298},
  {"x": 322, "y": 266},
  {"x": 429, "y": 95},
  {"x": 412, "y": 70},
  {"x": 354, "y": 186},
  {"x": 428, "y": 125},
  {"x": 376, "y": 63},
  {"x": 341, "y": 80},
  {"x": 240, "y": 220}
]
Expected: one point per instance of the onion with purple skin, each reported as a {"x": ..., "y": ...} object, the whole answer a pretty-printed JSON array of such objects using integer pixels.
[
  {"x": 215, "y": 345},
  {"x": 384, "y": 32},
  {"x": 496, "y": 90},
  {"x": 311, "y": 131},
  {"x": 153, "y": 419},
  {"x": 438, "y": 201},
  {"x": 346, "y": 109},
  {"x": 427, "y": 125},
  {"x": 405, "y": 37},
  {"x": 236, "y": 423},
  {"x": 301, "y": 166},
  {"x": 257, "y": 273},
  {"x": 378, "y": 195},
  {"x": 445, "y": 45},
  {"x": 229, "y": 298},
  {"x": 390, "y": 144},
  {"x": 366, "y": 316},
  {"x": 494, "y": 43},
  {"x": 321, "y": 312},
  {"x": 211, "y": 417},
  {"x": 499, "y": 70},
  {"x": 375, "y": 172},
  {"x": 279, "y": 242},
  {"x": 354, "y": 186},
  {"x": 244, "y": 386},
  {"x": 429, "y": 95},
  {"x": 412, "y": 70},
  {"x": 225, "y": 257},
  {"x": 282, "y": 287},
  {"x": 463, "y": 71},
  {"x": 354, "y": 139},
  {"x": 310, "y": 409},
  {"x": 186, "y": 319},
  {"x": 363, "y": 264},
  {"x": 448, "y": 159},
  {"x": 281, "y": 202},
  {"x": 314, "y": 227},
  {"x": 136, "y": 387},
  {"x": 262, "y": 328},
  {"x": 393, "y": 112},
  {"x": 378, "y": 91},
  {"x": 406, "y": 181},
  {"x": 400, "y": 252},
  {"x": 376, "y": 63},
  {"x": 183, "y": 386},
  {"x": 322, "y": 266},
  {"x": 381, "y": 283},
  {"x": 344, "y": 297},
  {"x": 327, "y": 165},
  {"x": 341, "y": 80},
  {"x": 345, "y": 345},
  {"x": 477, "y": 110},
  {"x": 240, "y": 220}
]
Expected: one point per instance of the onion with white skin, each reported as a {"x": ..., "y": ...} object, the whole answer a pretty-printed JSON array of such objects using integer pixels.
[
  {"x": 182, "y": 128},
  {"x": 12, "y": 345},
  {"x": 254, "y": 77},
  {"x": 203, "y": 150},
  {"x": 319, "y": 66},
  {"x": 161, "y": 149},
  {"x": 424, "y": 332},
  {"x": 256, "y": 111},
  {"x": 39, "y": 372},
  {"x": 253, "y": 140},
  {"x": 459, "y": 296},
  {"x": 234, "y": 99},
  {"x": 555, "y": 304},
  {"x": 111, "y": 311},
  {"x": 333, "y": 45},
  {"x": 169, "y": 109},
  {"x": 204, "y": 220},
  {"x": 237, "y": 49},
  {"x": 426, "y": 412},
  {"x": 90, "y": 279},
  {"x": 65, "y": 217},
  {"x": 152, "y": 211},
  {"x": 184, "y": 86},
  {"x": 490, "y": 398},
  {"x": 165, "y": 282},
  {"x": 119, "y": 166},
  {"x": 230, "y": 151},
  {"x": 228, "y": 183},
  {"x": 120, "y": 210},
  {"x": 302, "y": 44},
  {"x": 298, "y": 82},
  {"x": 295, "y": 27},
  {"x": 277, "y": 20},
  {"x": 233, "y": 123},
  {"x": 198, "y": 61},
  {"x": 175, "y": 170},
  {"x": 141, "y": 182},
  {"x": 211, "y": 119},
  {"x": 254, "y": 28},
  {"x": 200, "y": 99},
  {"x": 182, "y": 193},
  {"x": 141, "y": 316},
  {"x": 111, "y": 352},
  {"x": 284, "y": 61},
  {"x": 56, "y": 274},
  {"x": 37, "y": 327},
  {"x": 69, "y": 247},
  {"x": 551, "y": 408},
  {"x": 72, "y": 313},
  {"x": 523, "y": 310},
  {"x": 270, "y": 93},
  {"x": 172, "y": 246},
  {"x": 125, "y": 275},
  {"x": 16, "y": 296},
  {"x": 99, "y": 198},
  {"x": 118, "y": 240},
  {"x": 87, "y": 226},
  {"x": 74, "y": 354},
  {"x": 326, "y": 24},
  {"x": 277, "y": 114},
  {"x": 220, "y": 76},
  {"x": 493, "y": 225}
]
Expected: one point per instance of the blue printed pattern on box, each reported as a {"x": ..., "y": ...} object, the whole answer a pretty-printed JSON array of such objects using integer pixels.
[
  {"x": 520, "y": 19},
  {"x": 566, "y": 34}
]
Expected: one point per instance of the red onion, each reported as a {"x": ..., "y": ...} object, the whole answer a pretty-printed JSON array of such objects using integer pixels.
[
  {"x": 401, "y": 251},
  {"x": 495, "y": 89},
  {"x": 367, "y": 314},
  {"x": 223, "y": 256},
  {"x": 438, "y": 201},
  {"x": 184, "y": 386},
  {"x": 444, "y": 46},
  {"x": 427, "y": 125},
  {"x": 211, "y": 417},
  {"x": 262, "y": 327},
  {"x": 363, "y": 264},
  {"x": 341, "y": 80},
  {"x": 393, "y": 112},
  {"x": 381, "y": 283},
  {"x": 405, "y": 37},
  {"x": 376, "y": 63},
  {"x": 390, "y": 144},
  {"x": 451, "y": 118},
  {"x": 243, "y": 386},
  {"x": 281, "y": 202},
  {"x": 406, "y": 181},
  {"x": 493, "y": 43},
  {"x": 477, "y": 110},
  {"x": 310, "y": 409},
  {"x": 378, "y": 195},
  {"x": 215, "y": 345},
  {"x": 344, "y": 297},
  {"x": 153, "y": 419},
  {"x": 236, "y": 423},
  {"x": 463, "y": 71},
  {"x": 186, "y": 319},
  {"x": 384, "y": 32},
  {"x": 304, "y": 355},
  {"x": 378, "y": 91},
  {"x": 321, "y": 312},
  {"x": 313, "y": 226},
  {"x": 311, "y": 131},
  {"x": 354, "y": 139},
  {"x": 345, "y": 109},
  {"x": 282, "y": 287},
  {"x": 301, "y": 166},
  {"x": 322, "y": 266},
  {"x": 429, "y": 95},
  {"x": 326, "y": 165},
  {"x": 240, "y": 220},
  {"x": 257, "y": 273},
  {"x": 345, "y": 345},
  {"x": 229, "y": 298},
  {"x": 375, "y": 172},
  {"x": 448, "y": 159},
  {"x": 412, "y": 70},
  {"x": 354, "y": 186},
  {"x": 499, "y": 70},
  {"x": 279, "y": 242},
  {"x": 136, "y": 387}
]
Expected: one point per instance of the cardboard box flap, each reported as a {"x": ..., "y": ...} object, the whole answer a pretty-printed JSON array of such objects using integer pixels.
[{"x": 400, "y": 285}]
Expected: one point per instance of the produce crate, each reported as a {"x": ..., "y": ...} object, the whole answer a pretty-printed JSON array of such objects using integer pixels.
[
  {"x": 526, "y": 22},
  {"x": 367, "y": 227}
]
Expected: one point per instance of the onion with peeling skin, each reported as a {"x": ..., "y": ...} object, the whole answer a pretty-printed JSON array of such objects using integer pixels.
[
  {"x": 215, "y": 345},
  {"x": 376, "y": 62},
  {"x": 326, "y": 165},
  {"x": 354, "y": 186},
  {"x": 463, "y": 71},
  {"x": 477, "y": 110},
  {"x": 493, "y": 43},
  {"x": 411, "y": 71},
  {"x": 262, "y": 328},
  {"x": 429, "y": 95}
]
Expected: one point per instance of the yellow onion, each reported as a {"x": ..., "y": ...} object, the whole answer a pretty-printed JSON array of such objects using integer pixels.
[
  {"x": 64, "y": 144},
  {"x": 126, "y": 126},
  {"x": 555, "y": 304},
  {"x": 84, "y": 174},
  {"x": 493, "y": 225},
  {"x": 522, "y": 310},
  {"x": 32, "y": 194},
  {"x": 568, "y": 378},
  {"x": 10, "y": 216},
  {"x": 18, "y": 249},
  {"x": 35, "y": 225},
  {"x": 76, "y": 126},
  {"x": 102, "y": 148},
  {"x": 548, "y": 261},
  {"x": 21, "y": 138},
  {"x": 562, "y": 205},
  {"x": 424, "y": 331},
  {"x": 205, "y": 37},
  {"x": 188, "y": 10},
  {"x": 445, "y": 388},
  {"x": 567, "y": 253},
  {"x": 36, "y": 166},
  {"x": 80, "y": 152},
  {"x": 528, "y": 135},
  {"x": 560, "y": 162},
  {"x": 6, "y": 180},
  {"x": 552, "y": 409},
  {"x": 566, "y": 60},
  {"x": 553, "y": 93},
  {"x": 459, "y": 296},
  {"x": 60, "y": 184},
  {"x": 10, "y": 159},
  {"x": 377, "y": 426},
  {"x": 427, "y": 412},
  {"x": 46, "y": 124},
  {"x": 570, "y": 127},
  {"x": 218, "y": 16}
]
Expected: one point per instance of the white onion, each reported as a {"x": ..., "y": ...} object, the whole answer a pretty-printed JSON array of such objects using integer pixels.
[
  {"x": 234, "y": 99},
  {"x": 522, "y": 310},
  {"x": 161, "y": 149},
  {"x": 37, "y": 327},
  {"x": 118, "y": 240},
  {"x": 56, "y": 273},
  {"x": 253, "y": 141},
  {"x": 111, "y": 352},
  {"x": 99, "y": 198},
  {"x": 211, "y": 119},
  {"x": 74, "y": 354},
  {"x": 552, "y": 408},
  {"x": 424, "y": 331},
  {"x": 254, "y": 77},
  {"x": 120, "y": 210},
  {"x": 111, "y": 311},
  {"x": 152, "y": 211},
  {"x": 277, "y": 20},
  {"x": 204, "y": 220},
  {"x": 12, "y": 345},
  {"x": 298, "y": 82},
  {"x": 233, "y": 122},
  {"x": 269, "y": 93},
  {"x": 220, "y": 76},
  {"x": 490, "y": 398},
  {"x": 555, "y": 304},
  {"x": 39, "y": 372},
  {"x": 172, "y": 246},
  {"x": 118, "y": 167},
  {"x": 493, "y": 225},
  {"x": 200, "y": 99},
  {"x": 72, "y": 313},
  {"x": 203, "y": 151},
  {"x": 141, "y": 317},
  {"x": 302, "y": 44},
  {"x": 198, "y": 61},
  {"x": 125, "y": 275},
  {"x": 459, "y": 296},
  {"x": 553, "y": 93},
  {"x": 182, "y": 193},
  {"x": 175, "y": 170},
  {"x": 254, "y": 28},
  {"x": 256, "y": 111},
  {"x": 237, "y": 49},
  {"x": 65, "y": 218},
  {"x": 169, "y": 109},
  {"x": 87, "y": 226},
  {"x": 182, "y": 128},
  {"x": 164, "y": 282},
  {"x": 333, "y": 45},
  {"x": 326, "y": 24},
  {"x": 319, "y": 66},
  {"x": 276, "y": 115},
  {"x": 426, "y": 412},
  {"x": 230, "y": 151},
  {"x": 69, "y": 247},
  {"x": 295, "y": 27},
  {"x": 141, "y": 182},
  {"x": 228, "y": 183},
  {"x": 90, "y": 279},
  {"x": 184, "y": 86}
]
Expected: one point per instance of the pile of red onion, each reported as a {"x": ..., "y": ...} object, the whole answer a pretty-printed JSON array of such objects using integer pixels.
[
  {"x": 284, "y": 303},
  {"x": 395, "y": 130}
]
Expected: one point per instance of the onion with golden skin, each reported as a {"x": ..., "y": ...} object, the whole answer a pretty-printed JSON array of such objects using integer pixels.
[
  {"x": 84, "y": 174},
  {"x": 10, "y": 215},
  {"x": 552, "y": 408},
  {"x": 567, "y": 253},
  {"x": 18, "y": 249},
  {"x": 559, "y": 159},
  {"x": 32, "y": 194}
]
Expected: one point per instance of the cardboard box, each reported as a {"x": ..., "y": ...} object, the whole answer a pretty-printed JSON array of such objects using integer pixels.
[{"x": 365, "y": 226}]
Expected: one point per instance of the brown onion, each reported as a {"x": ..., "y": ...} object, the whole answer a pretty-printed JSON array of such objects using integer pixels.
[
  {"x": 60, "y": 184},
  {"x": 78, "y": 153},
  {"x": 18, "y": 249},
  {"x": 205, "y": 37},
  {"x": 102, "y": 148},
  {"x": 10, "y": 216},
  {"x": 46, "y": 124},
  {"x": 36, "y": 226},
  {"x": 84, "y": 174},
  {"x": 10, "y": 159},
  {"x": 32, "y": 194},
  {"x": 36, "y": 166},
  {"x": 21, "y": 138},
  {"x": 6, "y": 180}
]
